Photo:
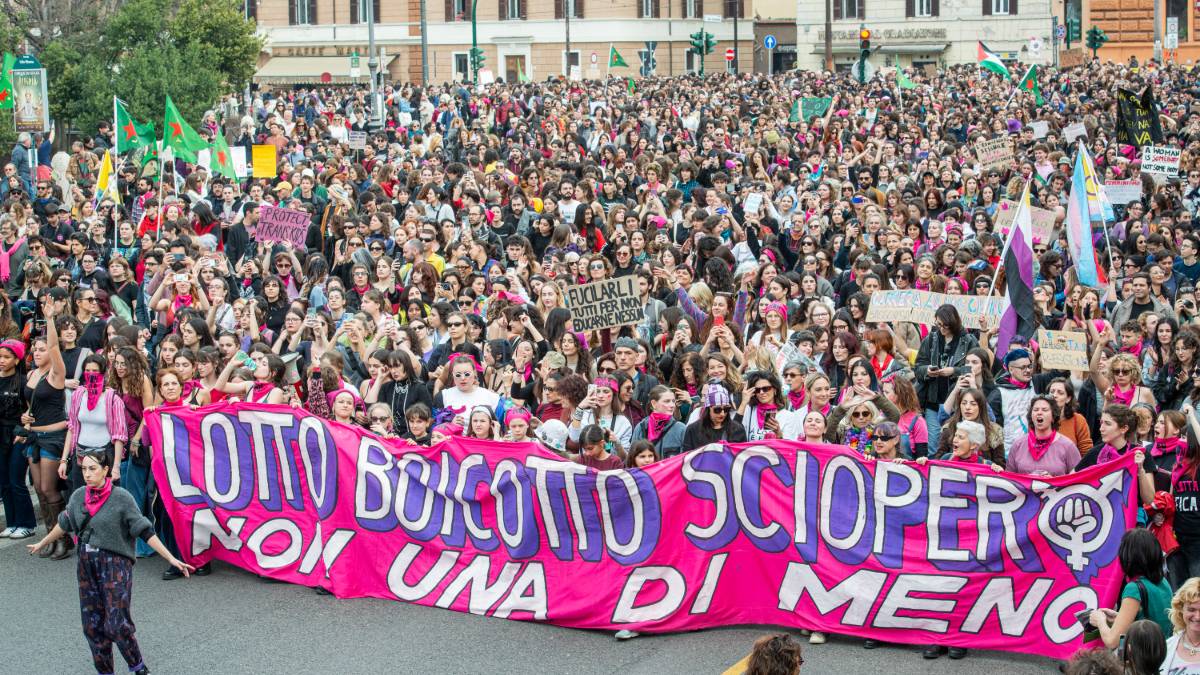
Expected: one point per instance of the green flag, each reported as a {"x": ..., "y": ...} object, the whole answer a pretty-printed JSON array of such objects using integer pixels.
[
  {"x": 179, "y": 136},
  {"x": 9, "y": 60},
  {"x": 6, "y": 92},
  {"x": 1030, "y": 83},
  {"x": 903, "y": 82},
  {"x": 614, "y": 58},
  {"x": 521, "y": 76},
  {"x": 222, "y": 159},
  {"x": 795, "y": 116},
  {"x": 630, "y": 86},
  {"x": 130, "y": 134}
]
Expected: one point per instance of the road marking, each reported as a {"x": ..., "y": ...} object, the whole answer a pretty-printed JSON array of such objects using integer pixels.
[{"x": 739, "y": 667}]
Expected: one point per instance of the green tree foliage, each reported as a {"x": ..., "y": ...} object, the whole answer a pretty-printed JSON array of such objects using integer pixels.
[{"x": 194, "y": 50}]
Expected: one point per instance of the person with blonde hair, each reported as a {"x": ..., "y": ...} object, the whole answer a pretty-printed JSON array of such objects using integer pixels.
[
  {"x": 1183, "y": 648},
  {"x": 1121, "y": 382}
]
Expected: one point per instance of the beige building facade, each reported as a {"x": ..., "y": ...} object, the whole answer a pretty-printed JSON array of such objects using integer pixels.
[{"x": 310, "y": 41}]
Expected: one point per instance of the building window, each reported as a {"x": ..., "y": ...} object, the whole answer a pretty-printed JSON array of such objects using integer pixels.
[
  {"x": 250, "y": 9},
  {"x": 302, "y": 12},
  {"x": 692, "y": 62},
  {"x": 924, "y": 7},
  {"x": 358, "y": 10},
  {"x": 459, "y": 8},
  {"x": 513, "y": 8},
  {"x": 647, "y": 8},
  {"x": 999, "y": 6},
  {"x": 573, "y": 7},
  {"x": 462, "y": 67},
  {"x": 691, "y": 9},
  {"x": 569, "y": 60},
  {"x": 731, "y": 7}
]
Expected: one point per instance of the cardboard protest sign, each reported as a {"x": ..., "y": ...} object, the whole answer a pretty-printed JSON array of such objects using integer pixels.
[
  {"x": 1042, "y": 220},
  {"x": 1040, "y": 128},
  {"x": 357, "y": 140},
  {"x": 1161, "y": 160},
  {"x": 262, "y": 157},
  {"x": 604, "y": 304},
  {"x": 1077, "y": 130},
  {"x": 1063, "y": 349},
  {"x": 1070, "y": 58},
  {"x": 1121, "y": 192},
  {"x": 919, "y": 307},
  {"x": 994, "y": 152},
  {"x": 276, "y": 224},
  {"x": 836, "y": 542}
]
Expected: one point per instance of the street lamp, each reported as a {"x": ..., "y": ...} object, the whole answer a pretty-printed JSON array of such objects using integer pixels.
[
  {"x": 476, "y": 55},
  {"x": 373, "y": 67}
]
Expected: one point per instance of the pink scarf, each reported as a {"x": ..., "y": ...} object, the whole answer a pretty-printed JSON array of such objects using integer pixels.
[
  {"x": 796, "y": 399},
  {"x": 1123, "y": 397},
  {"x": 760, "y": 413},
  {"x": 5, "y": 259},
  {"x": 1165, "y": 446},
  {"x": 94, "y": 498},
  {"x": 94, "y": 383},
  {"x": 1039, "y": 446},
  {"x": 656, "y": 424},
  {"x": 260, "y": 391},
  {"x": 1108, "y": 453}
]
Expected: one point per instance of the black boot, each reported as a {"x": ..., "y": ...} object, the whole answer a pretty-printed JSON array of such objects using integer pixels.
[{"x": 66, "y": 546}]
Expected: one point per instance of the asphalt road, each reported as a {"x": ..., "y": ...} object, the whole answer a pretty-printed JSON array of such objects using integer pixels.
[{"x": 232, "y": 622}]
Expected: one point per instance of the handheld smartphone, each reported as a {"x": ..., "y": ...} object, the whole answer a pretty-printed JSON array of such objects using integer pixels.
[
  {"x": 592, "y": 389},
  {"x": 718, "y": 321},
  {"x": 181, "y": 278},
  {"x": 312, "y": 311},
  {"x": 177, "y": 256}
]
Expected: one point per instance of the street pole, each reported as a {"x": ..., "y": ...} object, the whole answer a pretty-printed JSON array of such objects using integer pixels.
[
  {"x": 373, "y": 65},
  {"x": 1158, "y": 28},
  {"x": 474, "y": 44},
  {"x": 736, "y": 6},
  {"x": 1054, "y": 38},
  {"x": 569, "y": 6},
  {"x": 829, "y": 34},
  {"x": 424, "y": 47},
  {"x": 670, "y": 45}
]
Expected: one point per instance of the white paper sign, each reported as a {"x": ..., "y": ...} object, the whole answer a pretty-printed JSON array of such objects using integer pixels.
[
  {"x": 1040, "y": 128},
  {"x": 753, "y": 202},
  {"x": 1121, "y": 192},
  {"x": 1075, "y": 131},
  {"x": 237, "y": 155},
  {"x": 204, "y": 159},
  {"x": 357, "y": 140},
  {"x": 1161, "y": 160}
]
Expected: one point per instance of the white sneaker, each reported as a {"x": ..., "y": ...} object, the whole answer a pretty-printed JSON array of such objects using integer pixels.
[
  {"x": 817, "y": 638},
  {"x": 22, "y": 533},
  {"x": 7, "y": 532},
  {"x": 627, "y": 634}
]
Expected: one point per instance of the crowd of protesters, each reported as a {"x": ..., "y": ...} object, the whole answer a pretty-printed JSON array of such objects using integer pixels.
[{"x": 427, "y": 300}]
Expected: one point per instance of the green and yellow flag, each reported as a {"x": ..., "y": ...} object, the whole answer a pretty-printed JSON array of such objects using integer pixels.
[
  {"x": 614, "y": 58},
  {"x": 179, "y": 136}
]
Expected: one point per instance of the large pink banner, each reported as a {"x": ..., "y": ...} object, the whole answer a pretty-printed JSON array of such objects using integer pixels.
[{"x": 794, "y": 534}]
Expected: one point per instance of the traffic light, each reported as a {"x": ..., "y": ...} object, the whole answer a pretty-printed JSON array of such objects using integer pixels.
[
  {"x": 1072, "y": 31},
  {"x": 698, "y": 42},
  {"x": 1096, "y": 39},
  {"x": 864, "y": 52},
  {"x": 477, "y": 58},
  {"x": 710, "y": 43}
]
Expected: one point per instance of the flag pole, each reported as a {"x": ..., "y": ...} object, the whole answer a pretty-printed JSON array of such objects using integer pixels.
[
  {"x": 1103, "y": 223},
  {"x": 1003, "y": 251},
  {"x": 158, "y": 219}
]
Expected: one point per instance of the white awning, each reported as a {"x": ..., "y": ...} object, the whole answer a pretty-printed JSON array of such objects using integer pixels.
[{"x": 310, "y": 69}]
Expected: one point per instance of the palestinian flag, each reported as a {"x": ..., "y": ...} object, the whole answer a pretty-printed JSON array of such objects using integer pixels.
[
  {"x": 990, "y": 60},
  {"x": 179, "y": 136},
  {"x": 221, "y": 159},
  {"x": 130, "y": 134},
  {"x": 1030, "y": 83}
]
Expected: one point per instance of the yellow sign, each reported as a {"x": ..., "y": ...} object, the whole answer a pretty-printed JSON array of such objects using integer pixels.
[{"x": 263, "y": 158}]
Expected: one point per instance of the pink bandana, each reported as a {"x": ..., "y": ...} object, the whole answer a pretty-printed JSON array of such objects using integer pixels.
[{"x": 94, "y": 498}]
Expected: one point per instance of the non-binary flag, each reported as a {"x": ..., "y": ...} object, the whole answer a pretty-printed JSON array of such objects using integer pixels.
[{"x": 1020, "y": 319}]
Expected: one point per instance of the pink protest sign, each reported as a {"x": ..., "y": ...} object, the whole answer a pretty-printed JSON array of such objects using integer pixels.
[
  {"x": 286, "y": 225},
  {"x": 787, "y": 533}
]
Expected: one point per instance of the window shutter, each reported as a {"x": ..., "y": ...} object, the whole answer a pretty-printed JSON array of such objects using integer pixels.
[
  {"x": 910, "y": 9},
  {"x": 558, "y": 9},
  {"x": 354, "y": 11},
  {"x": 641, "y": 7},
  {"x": 375, "y": 8},
  {"x": 1012, "y": 7},
  {"x": 987, "y": 7},
  {"x": 935, "y": 8},
  {"x": 312, "y": 12},
  {"x": 521, "y": 5},
  {"x": 578, "y": 9},
  {"x": 837, "y": 9},
  {"x": 449, "y": 10},
  {"x": 658, "y": 8},
  {"x": 503, "y": 10},
  {"x": 699, "y": 9},
  {"x": 292, "y": 12},
  {"x": 862, "y": 9}
]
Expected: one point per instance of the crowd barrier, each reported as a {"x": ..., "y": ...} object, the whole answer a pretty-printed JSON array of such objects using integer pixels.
[{"x": 779, "y": 532}]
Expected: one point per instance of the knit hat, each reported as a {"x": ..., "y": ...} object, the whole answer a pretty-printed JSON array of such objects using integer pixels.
[
  {"x": 625, "y": 343},
  {"x": 16, "y": 347},
  {"x": 715, "y": 394}
]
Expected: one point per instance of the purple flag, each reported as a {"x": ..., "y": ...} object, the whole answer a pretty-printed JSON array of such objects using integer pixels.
[{"x": 1020, "y": 318}]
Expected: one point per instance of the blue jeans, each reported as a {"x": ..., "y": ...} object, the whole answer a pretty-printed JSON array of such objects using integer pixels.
[
  {"x": 14, "y": 488},
  {"x": 135, "y": 480},
  {"x": 935, "y": 431}
]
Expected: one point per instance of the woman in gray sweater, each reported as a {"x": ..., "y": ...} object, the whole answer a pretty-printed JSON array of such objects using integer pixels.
[{"x": 107, "y": 522}]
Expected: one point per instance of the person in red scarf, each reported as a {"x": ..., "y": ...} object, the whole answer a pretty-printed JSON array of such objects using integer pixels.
[
  {"x": 1043, "y": 451},
  {"x": 107, "y": 522}
]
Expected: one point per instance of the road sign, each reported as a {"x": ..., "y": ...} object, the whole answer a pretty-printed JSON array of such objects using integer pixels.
[
  {"x": 712, "y": 18},
  {"x": 595, "y": 58},
  {"x": 769, "y": 42},
  {"x": 1171, "y": 39},
  {"x": 729, "y": 54},
  {"x": 1061, "y": 31}
]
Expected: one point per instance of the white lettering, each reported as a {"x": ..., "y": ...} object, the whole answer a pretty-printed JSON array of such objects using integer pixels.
[
  {"x": 290, "y": 553},
  {"x": 850, "y": 465},
  {"x": 739, "y": 503},
  {"x": 720, "y": 492},
  {"x": 637, "y": 512},
  {"x": 432, "y": 578},
  {"x": 660, "y": 609},
  {"x": 938, "y": 477},
  {"x": 999, "y": 594},
  {"x": 898, "y": 599},
  {"x": 859, "y": 590}
]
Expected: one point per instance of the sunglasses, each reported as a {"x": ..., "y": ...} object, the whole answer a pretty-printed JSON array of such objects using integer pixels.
[
  {"x": 454, "y": 324},
  {"x": 430, "y": 239},
  {"x": 376, "y": 248},
  {"x": 721, "y": 409},
  {"x": 885, "y": 438},
  {"x": 861, "y": 414},
  {"x": 764, "y": 389},
  {"x": 606, "y": 370},
  {"x": 379, "y": 420},
  {"x": 1122, "y": 371},
  {"x": 597, "y": 266}
]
